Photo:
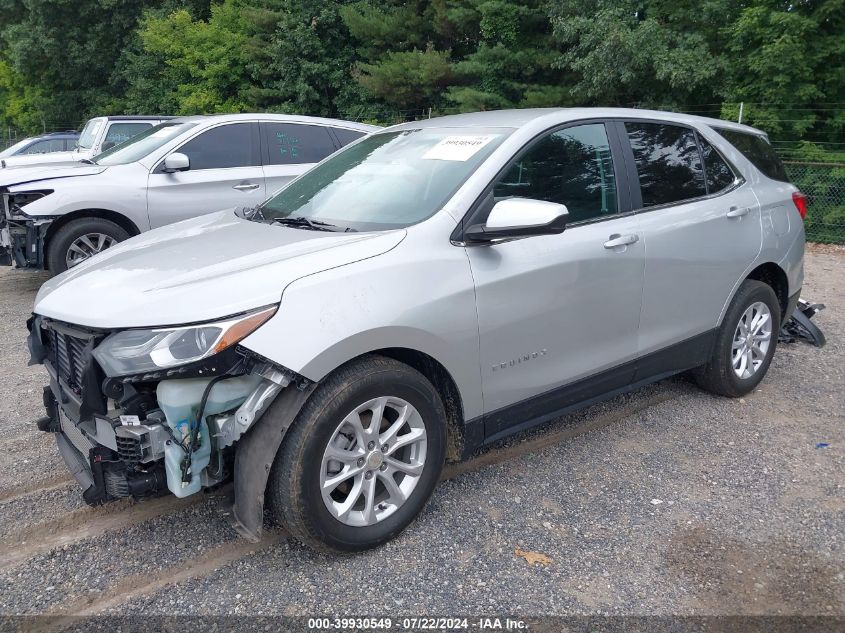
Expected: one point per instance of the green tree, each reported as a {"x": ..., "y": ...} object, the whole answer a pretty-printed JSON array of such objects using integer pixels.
[
  {"x": 654, "y": 53},
  {"x": 456, "y": 54},
  {"x": 65, "y": 51},
  {"x": 785, "y": 62},
  {"x": 300, "y": 57}
]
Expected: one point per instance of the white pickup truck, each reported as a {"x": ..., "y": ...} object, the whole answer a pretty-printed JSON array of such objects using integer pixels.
[{"x": 98, "y": 135}]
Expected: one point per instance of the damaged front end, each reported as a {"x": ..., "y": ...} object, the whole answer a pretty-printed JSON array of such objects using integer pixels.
[
  {"x": 23, "y": 237},
  {"x": 176, "y": 428}
]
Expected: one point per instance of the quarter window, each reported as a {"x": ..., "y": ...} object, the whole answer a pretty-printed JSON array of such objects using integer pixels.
[
  {"x": 347, "y": 136},
  {"x": 757, "y": 150},
  {"x": 221, "y": 147},
  {"x": 717, "y": 172},
  {"x": 668, "y": 162},
  {"x": 573, "y": 167},
  {"x": 292, "y": 144}
]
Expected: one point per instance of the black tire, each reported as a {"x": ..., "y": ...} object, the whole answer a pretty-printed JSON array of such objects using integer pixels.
[
  {"x": 59, "y": 244},
  {"x": 293, "y": 493},
  {"x": 718, "y": 375}
]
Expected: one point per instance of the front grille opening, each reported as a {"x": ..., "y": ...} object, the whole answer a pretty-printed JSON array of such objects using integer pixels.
[{"x": 67, "y": 355}]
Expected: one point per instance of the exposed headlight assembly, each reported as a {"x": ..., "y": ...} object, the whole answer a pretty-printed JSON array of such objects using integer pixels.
[
  {"x": 23, "y": 198},
  {"x": 130, "y": 352}
]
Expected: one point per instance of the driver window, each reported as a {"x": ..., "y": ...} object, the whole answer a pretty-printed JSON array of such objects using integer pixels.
[{"x": 573, "y": 166}]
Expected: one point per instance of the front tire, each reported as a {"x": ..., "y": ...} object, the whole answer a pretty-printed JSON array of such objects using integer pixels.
[
  {"x": 745, "y": 342},
  {"x": 362, "y": 458},
  {"x": 80, "y": 239}
]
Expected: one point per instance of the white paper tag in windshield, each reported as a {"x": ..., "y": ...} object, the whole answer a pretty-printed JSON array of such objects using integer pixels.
[{"x": 459, "y": 148}]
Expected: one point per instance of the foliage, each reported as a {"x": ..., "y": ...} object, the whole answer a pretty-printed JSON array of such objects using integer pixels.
[{"x": 62, "y": 61}]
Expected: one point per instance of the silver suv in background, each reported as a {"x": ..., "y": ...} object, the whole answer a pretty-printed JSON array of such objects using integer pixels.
[
  {"x": 98, "y": 135},
  {"x": 55, "y": 216},
  {"x": 431, "y": 288}
]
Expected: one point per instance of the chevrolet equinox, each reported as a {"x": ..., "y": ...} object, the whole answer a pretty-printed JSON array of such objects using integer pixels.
[{"x": 427, "y": 290}]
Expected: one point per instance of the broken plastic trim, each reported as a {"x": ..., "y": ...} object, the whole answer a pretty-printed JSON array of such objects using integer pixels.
[{"x": 800, "y": 327}]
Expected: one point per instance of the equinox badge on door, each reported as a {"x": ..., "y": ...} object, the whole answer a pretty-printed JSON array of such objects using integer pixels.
[{"x": 521, "y": 359}]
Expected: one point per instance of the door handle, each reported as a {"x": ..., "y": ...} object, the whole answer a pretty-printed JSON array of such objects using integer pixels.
[
  {"x": 246, "y": 186},
  {"x": 617, "y": 240},
  {"x": 736, "y": 212}
]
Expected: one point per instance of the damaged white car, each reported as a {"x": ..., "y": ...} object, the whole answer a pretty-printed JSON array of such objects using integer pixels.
[{"x": 429, "y": 289}]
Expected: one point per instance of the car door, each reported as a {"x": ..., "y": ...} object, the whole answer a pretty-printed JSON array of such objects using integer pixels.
[
  {"x": 558, "y": 314},
  {"x": 290, "y": 149},
  {"x": 224, "y": 172},
  {"x": 701, "y": 226}
]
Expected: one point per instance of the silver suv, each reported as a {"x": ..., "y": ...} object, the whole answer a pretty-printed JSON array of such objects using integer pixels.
[
  {"x": 57, "y": 215},
  {"x": 430, "y": 289}
]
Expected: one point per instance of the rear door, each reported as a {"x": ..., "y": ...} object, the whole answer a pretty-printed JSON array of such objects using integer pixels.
[
  {"x": 225, "y": 171},
  {"x": 701, "y": 225},
  {"x": 290, "y": 149}
]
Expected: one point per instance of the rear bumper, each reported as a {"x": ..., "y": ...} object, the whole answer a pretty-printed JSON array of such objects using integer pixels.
[{"x": 791, "y": 304}]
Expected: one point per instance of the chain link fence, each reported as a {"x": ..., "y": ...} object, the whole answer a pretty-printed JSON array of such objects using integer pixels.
[{"x": 824, "y": 185}]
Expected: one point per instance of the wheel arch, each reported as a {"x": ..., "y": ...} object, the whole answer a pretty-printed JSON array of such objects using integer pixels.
[
  {"x": 445, "y": 384},
  {"x": 113, "y": 216},
  {"x": 775, "y": 277}
]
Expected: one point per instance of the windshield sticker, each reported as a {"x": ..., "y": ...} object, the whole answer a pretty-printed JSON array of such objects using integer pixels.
[{"x": 459, "y": 148}]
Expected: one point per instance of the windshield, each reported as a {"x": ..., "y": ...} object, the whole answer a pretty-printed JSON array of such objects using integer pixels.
[
  {"x": 143, "y": 144},
  {"x": 89, "y": 134},
  {"x": 385, "y": 181},
  {"x": 10, "y": 151}
]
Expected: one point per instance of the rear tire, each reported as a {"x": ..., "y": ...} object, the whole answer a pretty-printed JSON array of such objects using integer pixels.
[
  {"x": 77, "y": 238},
  {"x": 745, "y": 342},
  {"x": 384, "y": 475}
]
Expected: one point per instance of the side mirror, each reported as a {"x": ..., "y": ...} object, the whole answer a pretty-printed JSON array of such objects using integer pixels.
[
  {"x": 107, "y": 145},
  {"x": 176, "y": 162},
  {"x": 519, "y": 217}
]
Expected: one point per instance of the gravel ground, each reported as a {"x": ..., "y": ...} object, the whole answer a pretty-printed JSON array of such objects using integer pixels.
[{"x": 664, "y": 501}]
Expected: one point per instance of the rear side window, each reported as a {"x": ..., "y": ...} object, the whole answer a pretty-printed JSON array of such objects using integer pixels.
[
  {"x": 668, "y": 162},
  {"x": 291, "y": 144},
  {"x": 221, "y": 147},
  {"x": 758, "y": 151},
  {"x": 44, "y": 147},
  {"x": 347, "y": 136},
  {"x": 716, "y": 170}
]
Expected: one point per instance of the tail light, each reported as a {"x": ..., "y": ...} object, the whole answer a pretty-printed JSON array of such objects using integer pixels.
[{"x": 800, "y": 201}]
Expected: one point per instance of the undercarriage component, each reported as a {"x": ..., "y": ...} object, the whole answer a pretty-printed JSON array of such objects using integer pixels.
[
  {"x": 228, "y": 428},
  {"x": 799, "y": 326},
  {"x": 140, "y": 443}
]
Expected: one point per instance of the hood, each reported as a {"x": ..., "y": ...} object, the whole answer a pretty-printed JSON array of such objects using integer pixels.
[
  {"x": 10, "y": 176},
  {"x": 37, "y": 159},
  {"x": 197, "y": 270}
]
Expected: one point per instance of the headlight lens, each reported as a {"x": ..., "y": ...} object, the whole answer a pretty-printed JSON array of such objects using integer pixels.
[{"x": 141, "y": 351}]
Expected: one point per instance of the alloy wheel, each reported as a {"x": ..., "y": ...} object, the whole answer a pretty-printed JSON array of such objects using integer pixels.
[
  {"x": 373, "y": 461},
  {"x": 751, "y": 341},
  {"x": 86, "y": 246}
]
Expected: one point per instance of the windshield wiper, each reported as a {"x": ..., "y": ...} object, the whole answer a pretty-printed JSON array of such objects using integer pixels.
[
  {"x": 313, "y": 225},
  {"x": 87, "y": 161}
]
